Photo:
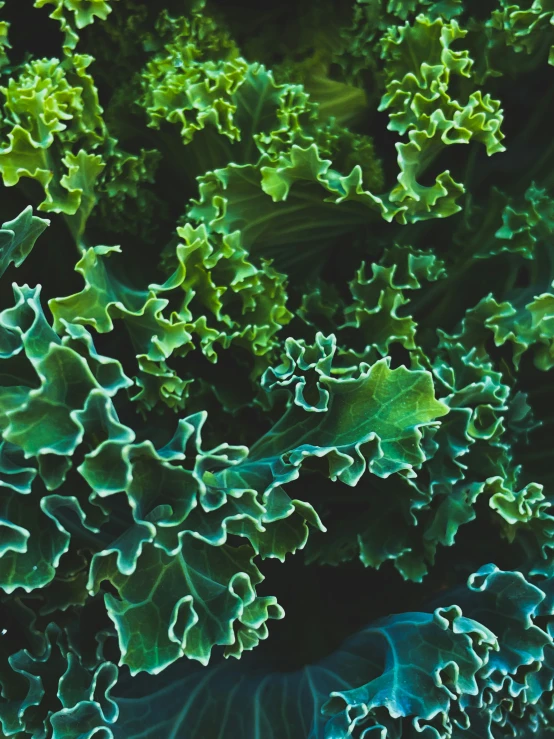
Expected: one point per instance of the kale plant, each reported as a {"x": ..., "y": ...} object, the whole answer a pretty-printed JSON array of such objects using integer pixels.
[{"x": 276, "y": 323}]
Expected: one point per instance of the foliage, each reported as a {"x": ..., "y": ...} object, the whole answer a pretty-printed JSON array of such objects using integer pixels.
[{"x": 273, "y": 372}]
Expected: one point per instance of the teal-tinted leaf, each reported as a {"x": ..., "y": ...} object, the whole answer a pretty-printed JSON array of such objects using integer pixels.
[
  {"x": 18, "y": 237},
  {"x": 200, "y": 597}
]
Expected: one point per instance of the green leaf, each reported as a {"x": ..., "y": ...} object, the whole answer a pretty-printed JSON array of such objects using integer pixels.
[
  {"x": 374, "y": 420},
  {"x": 421, "y": 68},
  {"x": 223, "y": 299},
  {"x": 53, "y": 107},
  {"x": 378, "y": 309},
  {"x": 50, "y": 689},
  {"x": 18, "y": 237},
  {"x": 74, "y": 15},
  {"x": 200, "y": 597}
]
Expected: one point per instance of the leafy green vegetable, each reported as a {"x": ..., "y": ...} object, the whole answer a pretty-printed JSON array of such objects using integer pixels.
[{"x": 273, "y": 376}]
